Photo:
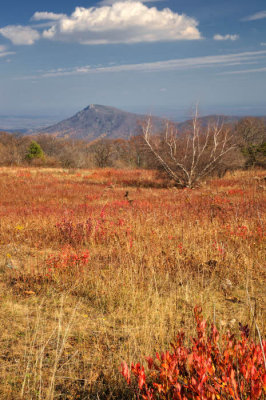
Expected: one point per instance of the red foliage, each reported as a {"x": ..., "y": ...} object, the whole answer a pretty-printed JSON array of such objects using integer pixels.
[
  {"x": 232, "y": 369},
  {"x": 74, "y": 232},
  {"x": 244, "y": 233},
  {"x": 101, "y": 229},
  {"x": 68, "y": 262}
]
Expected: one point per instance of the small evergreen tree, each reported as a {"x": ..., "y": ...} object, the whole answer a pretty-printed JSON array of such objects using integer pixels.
[{"x": 34, "y": 151}]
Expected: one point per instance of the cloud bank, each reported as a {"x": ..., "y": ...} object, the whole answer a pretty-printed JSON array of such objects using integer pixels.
[{"x": 122, "y": 22}]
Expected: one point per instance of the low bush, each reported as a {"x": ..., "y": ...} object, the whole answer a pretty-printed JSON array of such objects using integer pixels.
[{"x": 231, "y": 368}]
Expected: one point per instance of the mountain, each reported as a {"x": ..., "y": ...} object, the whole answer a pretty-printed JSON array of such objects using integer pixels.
[
  {"x": 210, "y": 119},
  {"x": 101, "y": 121},
  {"x": 96, "y": 121}
]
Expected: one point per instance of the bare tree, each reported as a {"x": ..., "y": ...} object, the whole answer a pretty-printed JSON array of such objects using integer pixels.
[
  {"x": 188, "y": 157},
  {"x": 251, "y": 135},
  {"x": 102, "y": 151}
]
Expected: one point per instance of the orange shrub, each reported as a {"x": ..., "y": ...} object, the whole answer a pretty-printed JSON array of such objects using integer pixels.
[
  {"x": 67, "y": 262},
  {"x": 206, "y": 370}
]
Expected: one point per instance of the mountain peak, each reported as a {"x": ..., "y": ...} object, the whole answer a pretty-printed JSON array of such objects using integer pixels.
[
  {"x": 96, "y": 119},
  {"x": 101, "y": 108}
]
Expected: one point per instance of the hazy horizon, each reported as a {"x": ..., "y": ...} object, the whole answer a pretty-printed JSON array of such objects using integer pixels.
[{"x": 28, "y": 122}]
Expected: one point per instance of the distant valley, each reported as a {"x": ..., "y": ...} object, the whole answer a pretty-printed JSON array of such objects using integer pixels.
[{"x": 25, "y": 124}]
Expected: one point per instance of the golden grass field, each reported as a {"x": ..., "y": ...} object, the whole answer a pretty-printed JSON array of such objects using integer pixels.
[{"x": 103, "y": 266}]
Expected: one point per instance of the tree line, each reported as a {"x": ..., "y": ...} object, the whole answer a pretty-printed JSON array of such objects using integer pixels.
[{"x": 185, "y": 156}]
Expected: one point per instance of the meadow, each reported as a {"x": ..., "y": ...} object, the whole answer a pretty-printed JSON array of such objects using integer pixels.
[{"x": 104, "y": 266}]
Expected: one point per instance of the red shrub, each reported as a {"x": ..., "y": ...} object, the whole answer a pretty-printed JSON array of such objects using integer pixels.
[
  {"x": 67, "y": 262},
  {"x": 232, "y": 369}
]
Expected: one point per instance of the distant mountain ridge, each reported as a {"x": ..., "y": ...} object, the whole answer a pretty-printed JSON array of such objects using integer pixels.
[
  {"x": 214, "y": 118},
  {"x": 97, "y": 121}
]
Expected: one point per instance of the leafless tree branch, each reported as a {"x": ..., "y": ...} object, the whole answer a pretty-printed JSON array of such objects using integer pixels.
[{"x": 190, "y": 157}]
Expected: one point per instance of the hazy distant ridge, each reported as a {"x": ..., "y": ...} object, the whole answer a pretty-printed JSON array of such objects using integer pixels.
[{"x": 97, "y": 120}]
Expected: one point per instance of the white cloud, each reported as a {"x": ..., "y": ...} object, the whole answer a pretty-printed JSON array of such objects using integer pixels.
[
  {"x": 123, "y": 22},
  {"x": 263, "y": 44},
  {"x": 111, "y": 2},
  {"x": 20, "y": 35},
  {"x": 256, "y": 16},
  {"x": 158, "y": 66},
  {"x": 225, "y": 37},
  {"x": 243, "y": 71},
  {"x": 4, "y": 52},
  {"x": 44, "y": 15}
]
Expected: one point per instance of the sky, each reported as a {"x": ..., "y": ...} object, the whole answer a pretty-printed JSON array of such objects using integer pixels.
[{"x": 157, "y": 56}]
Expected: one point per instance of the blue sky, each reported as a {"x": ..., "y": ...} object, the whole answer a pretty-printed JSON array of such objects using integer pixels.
[{"x": 56, "y": 57}]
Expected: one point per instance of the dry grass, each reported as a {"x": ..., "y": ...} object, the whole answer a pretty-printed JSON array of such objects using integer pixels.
[{"x": 153, "y": 254}]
